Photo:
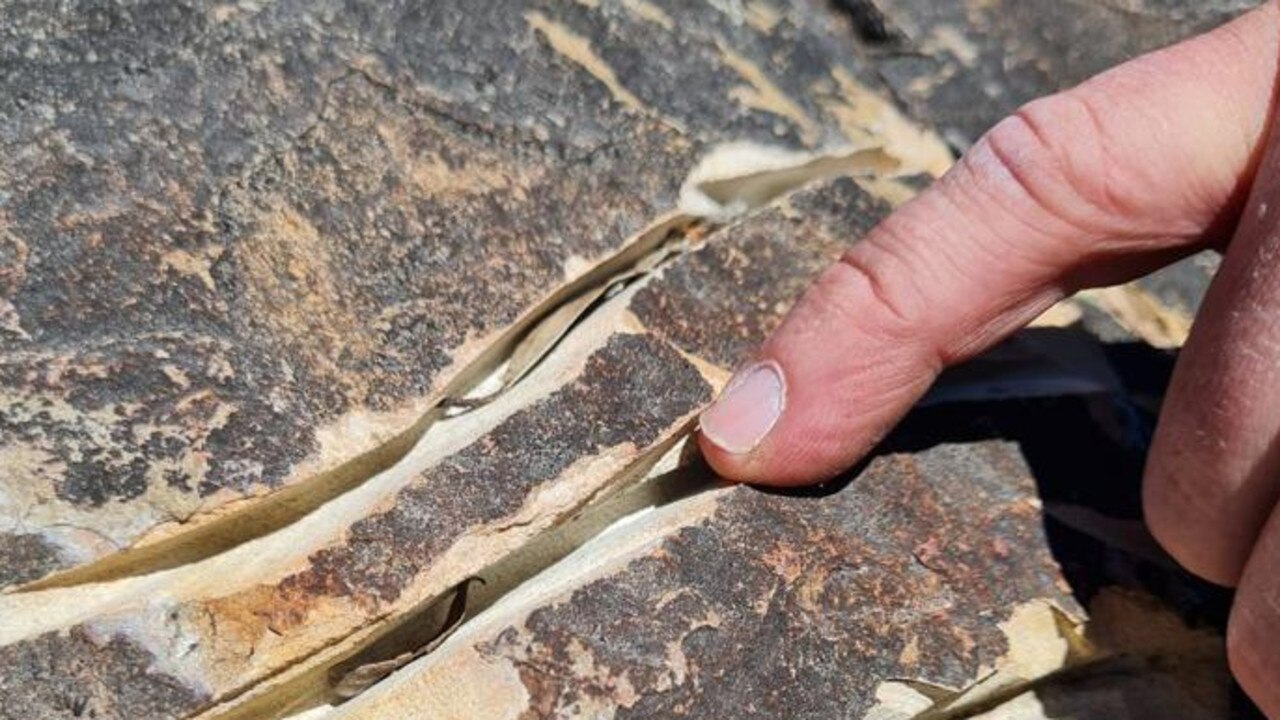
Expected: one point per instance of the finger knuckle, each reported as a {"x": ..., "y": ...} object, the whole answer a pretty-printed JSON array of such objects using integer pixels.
[
  {"x": 1051, "y": 153},
  {"x": 863, "y": 273},
  {"x": 873, "y": 281}
]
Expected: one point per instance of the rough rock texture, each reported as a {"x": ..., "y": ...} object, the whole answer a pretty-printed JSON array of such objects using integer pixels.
[
  {"x": 945, "y": 579},
  {"x": 772, "y": 606},
  {"x": 454, "y": 505},
  {"x": 245, "y": 248}
]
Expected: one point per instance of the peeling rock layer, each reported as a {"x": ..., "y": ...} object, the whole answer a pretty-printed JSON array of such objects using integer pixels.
[{"x": 953, "y": 576}]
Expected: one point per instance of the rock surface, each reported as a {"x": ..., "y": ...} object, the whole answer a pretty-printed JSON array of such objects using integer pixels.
[
  {"x": 954, "y": 576},
  {"x": 279, "y": 611},
  {"x": 744, "y": 604},
  {"x": 248, "y": 250},
  {"x": 309, "y": 312}
]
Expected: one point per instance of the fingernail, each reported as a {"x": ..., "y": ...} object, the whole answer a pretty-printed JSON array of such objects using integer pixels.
[{"x": 747, "y": 409}]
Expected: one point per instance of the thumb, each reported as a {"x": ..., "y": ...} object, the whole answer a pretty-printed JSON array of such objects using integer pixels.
[{"x": 1095, "y": 185}]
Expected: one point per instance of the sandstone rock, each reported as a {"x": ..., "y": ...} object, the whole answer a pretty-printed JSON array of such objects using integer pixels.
[
  {"x": 943, "y": 580},
  {"x": 927, "y": 585},
  {"x": 744, "y": 604}
]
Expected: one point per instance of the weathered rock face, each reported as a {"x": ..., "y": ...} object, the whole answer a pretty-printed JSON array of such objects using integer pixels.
[
  {"x": 288, "y": 606},
  {"x": 257, "y": 263},
  {"x": 946, "y": 579},
  {"x": 249, "y": 250},
  {"x": 744, "y": 604}
]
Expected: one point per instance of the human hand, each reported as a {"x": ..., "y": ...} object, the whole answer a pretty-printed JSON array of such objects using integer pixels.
[{"x": 1157, "y": 159}]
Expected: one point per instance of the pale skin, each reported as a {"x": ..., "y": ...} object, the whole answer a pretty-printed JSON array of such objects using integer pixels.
[{"x": 1167, "y": 155}]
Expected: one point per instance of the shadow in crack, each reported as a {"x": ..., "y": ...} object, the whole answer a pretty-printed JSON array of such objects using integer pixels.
[{"x": 1086, "y": 454}]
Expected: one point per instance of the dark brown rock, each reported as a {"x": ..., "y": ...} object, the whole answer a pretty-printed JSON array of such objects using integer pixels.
[
  {"x": 747, "y": 604},
  {"x": 895, "y": 578},
  {"x": 980, "y": 566},
  {"x": 721, "y": 302},
  {"x": 74, "y": 675}
]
